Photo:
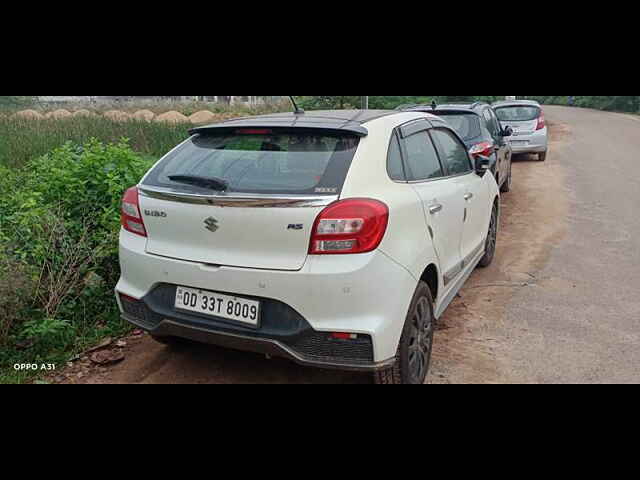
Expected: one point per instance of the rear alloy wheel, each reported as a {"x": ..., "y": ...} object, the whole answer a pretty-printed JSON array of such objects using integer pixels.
[
  {"x": 492, "y": 238},
  {"x": 416, "y": 344},
  {"x": 542, "y": 156}
]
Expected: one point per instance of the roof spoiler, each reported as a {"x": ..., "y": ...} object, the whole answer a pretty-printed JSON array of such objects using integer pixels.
[{"x": 310, "y": 125}]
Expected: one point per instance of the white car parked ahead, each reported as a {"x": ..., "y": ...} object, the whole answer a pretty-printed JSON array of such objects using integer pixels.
[
  {"x": 526, "y": 119},
  {"x": 335, "y": 239}
]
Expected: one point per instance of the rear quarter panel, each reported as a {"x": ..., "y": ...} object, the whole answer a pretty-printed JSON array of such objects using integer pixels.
[{"x": 407, "y": 240}]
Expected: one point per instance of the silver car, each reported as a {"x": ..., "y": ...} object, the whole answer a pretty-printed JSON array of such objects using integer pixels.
[{"x": 526, "y": 118}]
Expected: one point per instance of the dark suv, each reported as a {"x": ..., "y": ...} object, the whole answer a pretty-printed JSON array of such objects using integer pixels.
[{"x": 482, "y": 132}]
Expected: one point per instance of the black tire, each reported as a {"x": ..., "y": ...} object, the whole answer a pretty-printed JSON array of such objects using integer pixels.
[
  {"x": 492, "y": 237},
  {"x": 416, "y": 344},
  {"x": 542, "y": 157},
  {"x": 506, "y": 186}
]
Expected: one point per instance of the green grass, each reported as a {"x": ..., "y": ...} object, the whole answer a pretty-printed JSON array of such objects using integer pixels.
[
  {"x": 23, "y": 140},
  {"x": 75, "y": 341}
]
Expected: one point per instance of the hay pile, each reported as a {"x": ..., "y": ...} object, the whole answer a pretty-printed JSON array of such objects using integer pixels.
[
  {"x": 58, "y": 114},
  {"x": 172, "y": 117},
  {"x": 117, "y": 116},
  {"x": 28, "y": 115},
  {"x": 84, "y": 113},
  {"x": 144, "y": 115},
  {"x": 202, "y": 117}
]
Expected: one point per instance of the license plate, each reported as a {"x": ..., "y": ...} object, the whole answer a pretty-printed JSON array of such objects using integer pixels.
[
  {"x": 519, "y": 143},
  {"x": 216, "y": 304}
]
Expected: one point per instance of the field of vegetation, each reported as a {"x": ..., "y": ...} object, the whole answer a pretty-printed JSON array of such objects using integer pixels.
[
  {"x": 25, "y": 139},
  {"x": 61, "y": 182}
]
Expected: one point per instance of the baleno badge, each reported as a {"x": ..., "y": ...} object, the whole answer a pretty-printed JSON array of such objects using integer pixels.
[{"x": 211, "y": 224}]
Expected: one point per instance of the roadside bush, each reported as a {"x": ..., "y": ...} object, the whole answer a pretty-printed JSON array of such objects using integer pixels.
[
  {"x": 59, "y": 225},
  {"x": 70, "y": 198},
  {"x": 16, "y": 290}
]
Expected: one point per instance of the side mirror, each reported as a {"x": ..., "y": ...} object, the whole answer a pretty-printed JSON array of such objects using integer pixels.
[
  {"x": 507, "y": 132},
  {"x": 483, "y": 164}
]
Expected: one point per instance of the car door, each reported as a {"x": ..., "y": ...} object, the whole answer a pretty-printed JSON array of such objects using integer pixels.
[
  {"x": 503, "y": 149},
  {"x": 442, "y": 198},
  {"x": 474, "y": 192}
]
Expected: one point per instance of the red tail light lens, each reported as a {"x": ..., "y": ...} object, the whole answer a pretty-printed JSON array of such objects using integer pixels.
[
  {"x": 485, "y": 149},
  {"x": 355, "y": 225},
  {"x": 541, "y": 122},
  {"x": 131, "y": 217}
]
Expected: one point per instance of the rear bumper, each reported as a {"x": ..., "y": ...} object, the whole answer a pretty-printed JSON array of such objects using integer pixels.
[
  {"x": 537, "y": 142},
  {"x": 367, "y": 295},
  {"x": 266, "y": 346}
]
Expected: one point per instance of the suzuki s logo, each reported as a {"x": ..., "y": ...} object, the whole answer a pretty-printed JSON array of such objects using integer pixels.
[{"x": 211, "y": 224}]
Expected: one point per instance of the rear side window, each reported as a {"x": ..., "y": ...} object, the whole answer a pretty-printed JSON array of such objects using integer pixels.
[
  {"x": 518, "y": 114},
  {"x": 422, "y": 159},
  {"x": 259, "y": 161},
  {"x": 394, "y": 161},
  {"x": 452, "y": 152}
]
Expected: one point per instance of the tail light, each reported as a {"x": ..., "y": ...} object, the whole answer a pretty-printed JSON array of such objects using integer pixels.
[
  {"x": 131, "y": 217},
  {"x": 541, "y": 122},
  {"x": 355, "y": 225},
  {"x": 485, "y": 149}
]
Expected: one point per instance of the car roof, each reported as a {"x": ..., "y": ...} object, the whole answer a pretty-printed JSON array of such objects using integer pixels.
[
  {"x": 345, "y": 121},
  {"x": 448, "y": 107},
  {"x": 516, "y": 103}
]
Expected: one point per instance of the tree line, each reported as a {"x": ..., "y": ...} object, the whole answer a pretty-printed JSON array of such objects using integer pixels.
[{"x": 620, "y": 104}]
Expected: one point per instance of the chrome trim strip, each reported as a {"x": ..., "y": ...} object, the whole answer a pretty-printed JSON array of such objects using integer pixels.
[
  {"x": 446, "y": 301},
  {"x": 473, "y": 254},
  {"x": 455, "y": 271},
  {"x": 239, "y": 200}
]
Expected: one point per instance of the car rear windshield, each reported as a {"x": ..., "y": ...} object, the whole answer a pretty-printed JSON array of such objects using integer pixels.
[
  {"x": 258, "y": 161},
  {"x": 517, "y": 113},
  {"x": 466, "y": 125}
]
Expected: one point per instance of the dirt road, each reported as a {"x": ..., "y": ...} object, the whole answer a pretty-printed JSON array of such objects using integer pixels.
[{"x": 560, "y": 304}]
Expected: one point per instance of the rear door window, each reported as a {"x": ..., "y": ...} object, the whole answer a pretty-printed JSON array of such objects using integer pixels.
[
  {"x": 259, "y": 161},
  {"x": 453, "y": 153},
  {"x": 492, "y": 122},
  {"x": 421, "y": 158}
]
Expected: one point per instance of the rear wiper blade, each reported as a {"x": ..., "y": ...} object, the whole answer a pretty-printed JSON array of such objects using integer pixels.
[{"x": 214, "y": 183}]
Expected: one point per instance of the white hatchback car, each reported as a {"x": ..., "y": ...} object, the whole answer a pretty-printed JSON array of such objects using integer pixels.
[
  {"x": 334, "y": 239},
  {"x": 526, "y": 119}
]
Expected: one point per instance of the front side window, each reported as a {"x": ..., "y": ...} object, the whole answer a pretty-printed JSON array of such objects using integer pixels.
[
  {"x": 258, "y": 161},
  {"x": 452, "y": 152},
  {"x": 422, "y": 159}
]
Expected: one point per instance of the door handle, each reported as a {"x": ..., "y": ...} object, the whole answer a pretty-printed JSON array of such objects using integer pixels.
[
  {"x": 435, "y": 208},
  {"x": 468, "y": 196}
]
